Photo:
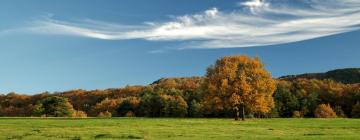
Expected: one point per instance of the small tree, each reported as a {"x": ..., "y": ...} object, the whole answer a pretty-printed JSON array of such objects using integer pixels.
[
  {"x": 54, "y": 106},
  {"x": 324, "y": 111},
  {"x": 38, "y": 110},
  {"x": 355, "y": 113}
]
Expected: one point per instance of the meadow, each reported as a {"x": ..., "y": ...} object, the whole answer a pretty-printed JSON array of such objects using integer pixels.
[{"x": 175, "y": 128}]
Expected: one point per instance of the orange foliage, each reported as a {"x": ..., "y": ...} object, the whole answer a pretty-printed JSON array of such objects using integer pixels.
[
  {"x": 107, "y": 105},
  {"x": 240, "y": 81},
  {"x": 324, "y": 111}
]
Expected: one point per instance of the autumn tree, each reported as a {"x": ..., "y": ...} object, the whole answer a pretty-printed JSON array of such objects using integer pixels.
[
  {"x": 77, "y": 98},
  {"x": 242, "y": 83},
  {"x": 324, "y": 111},
  {"x": 14, "y": 104},
  {"x": 106, "y": 105}
]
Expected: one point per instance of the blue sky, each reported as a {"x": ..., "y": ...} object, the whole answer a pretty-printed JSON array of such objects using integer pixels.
[{"x": 78, "y": 44}]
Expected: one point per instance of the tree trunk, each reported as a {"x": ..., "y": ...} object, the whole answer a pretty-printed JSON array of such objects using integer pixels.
[
  {"x": 243, "y": 113},
  {"x": 237, "y": 113}
]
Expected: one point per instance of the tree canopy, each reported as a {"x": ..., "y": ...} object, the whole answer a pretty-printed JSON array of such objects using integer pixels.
[
  {"x": 239, "y": 82},
  {"x": 54, "y": 106}
]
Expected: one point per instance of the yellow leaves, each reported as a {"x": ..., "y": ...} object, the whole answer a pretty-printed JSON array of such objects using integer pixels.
[
  {"x": 235, "y": 100},
  {"x": 224, "y": 83},
  {"x": 241, "y": 80},
  {"x": 324, "y": 111},
  {"x": 263, "y": 104}
]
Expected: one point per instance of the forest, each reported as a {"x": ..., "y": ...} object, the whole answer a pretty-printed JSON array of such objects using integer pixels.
[{"x": 323, "y": 95}]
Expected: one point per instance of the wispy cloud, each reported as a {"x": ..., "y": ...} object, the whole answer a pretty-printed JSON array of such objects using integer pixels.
[{"x": 253, "y": 23}]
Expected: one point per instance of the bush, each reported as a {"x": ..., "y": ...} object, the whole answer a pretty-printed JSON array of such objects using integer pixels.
[
  {"x": 297, "y": 114},
  {"x": 79, "y": 114},
  {"x": 324, "y": 111},
  {"x": 249, "y": 116},
  {"x": 105, "y": 114},
  {"x": 130, "y": 114},
  {"x": 355, "y": 113}
]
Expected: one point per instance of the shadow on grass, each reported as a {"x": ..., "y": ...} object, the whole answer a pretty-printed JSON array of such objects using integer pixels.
[
  {"x": 109, "y": 136},
  {"x": 314, "y": 134}
]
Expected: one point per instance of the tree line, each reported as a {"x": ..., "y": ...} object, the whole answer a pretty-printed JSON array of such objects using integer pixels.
[{"x": 235, "y": 86}]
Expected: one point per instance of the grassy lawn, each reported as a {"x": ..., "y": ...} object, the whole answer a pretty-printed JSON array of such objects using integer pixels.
[{"x": 165, "y": 128}]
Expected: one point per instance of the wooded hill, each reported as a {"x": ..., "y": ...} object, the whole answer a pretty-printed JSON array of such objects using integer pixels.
[
  {"x": 295, "y": 96},
  {"x": 346, "y": 76}
]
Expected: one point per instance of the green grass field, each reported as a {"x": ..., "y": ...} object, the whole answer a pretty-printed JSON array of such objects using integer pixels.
[{"x": 165, "y": 128}]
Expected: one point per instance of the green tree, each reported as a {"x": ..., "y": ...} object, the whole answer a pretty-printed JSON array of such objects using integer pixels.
[
  {"x": 195, "y": 109},
  {"x": 128, "y": 106},
  {"x": 54, "y": 106},
  {"x": 285, "y": 101},
  {"x": 355, "y": 113},
  {"x": 240, "y": 82},
  {"x": 175, "y": 106},
  {"x": 152, "y": 104}
]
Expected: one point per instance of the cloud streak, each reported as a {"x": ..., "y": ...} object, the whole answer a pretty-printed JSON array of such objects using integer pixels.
[{"x": 253, "y": 23}]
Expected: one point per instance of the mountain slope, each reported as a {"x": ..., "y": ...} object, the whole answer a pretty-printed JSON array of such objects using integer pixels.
[{"x": 346, "y": 76}]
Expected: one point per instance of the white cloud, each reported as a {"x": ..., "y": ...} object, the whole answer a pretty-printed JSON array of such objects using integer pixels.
[
  {"x": 254, "y": 23},
  {"x": 254, "y": 5}
]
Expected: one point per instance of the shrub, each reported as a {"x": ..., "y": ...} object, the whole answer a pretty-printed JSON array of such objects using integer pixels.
[
  {"x": 297, "y": 114},
  {"x": 129, "y": 114},
  {"x": 79, "y": 114},
  {"x": 324, "y": 111},
  {"x": 250, "y": 116},
  {"x": 355, "y": 113},
  {"x": 105, "y": 114}
]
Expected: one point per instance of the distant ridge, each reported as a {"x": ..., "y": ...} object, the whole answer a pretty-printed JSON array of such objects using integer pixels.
[{"x": 346, "y": 75}]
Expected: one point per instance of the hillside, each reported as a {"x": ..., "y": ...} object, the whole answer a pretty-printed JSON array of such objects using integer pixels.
[{"x": 346, "y": 76}]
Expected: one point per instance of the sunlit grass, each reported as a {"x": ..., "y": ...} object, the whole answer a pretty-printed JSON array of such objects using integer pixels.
[{"x": 169, "y": 128}]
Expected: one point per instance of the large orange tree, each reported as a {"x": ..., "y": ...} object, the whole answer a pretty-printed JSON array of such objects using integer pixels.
[{"x": 240, "y": 83}]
